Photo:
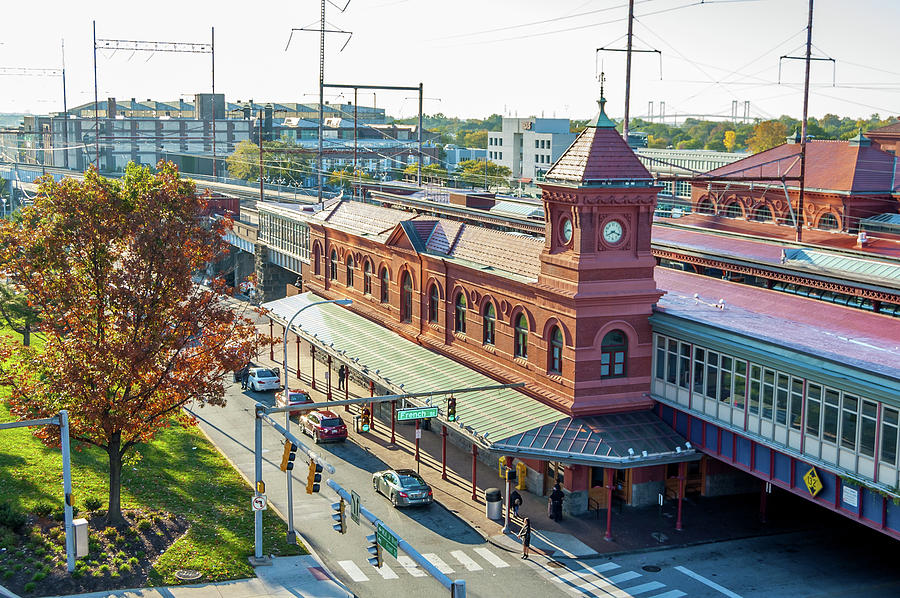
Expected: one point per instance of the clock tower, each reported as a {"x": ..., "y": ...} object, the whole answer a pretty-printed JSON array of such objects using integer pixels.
[{"x": 597, "y": 265}]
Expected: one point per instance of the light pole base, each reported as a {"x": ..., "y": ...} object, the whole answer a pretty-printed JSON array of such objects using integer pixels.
[
  {"x": 263, "y": 561},
  {"x": 292, "y": 537}
]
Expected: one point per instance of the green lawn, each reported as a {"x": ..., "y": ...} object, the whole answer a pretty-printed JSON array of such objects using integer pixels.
[{"x": 180, "y": 472}]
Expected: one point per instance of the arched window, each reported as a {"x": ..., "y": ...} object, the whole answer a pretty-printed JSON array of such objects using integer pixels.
[
  {"x": 317, "y": 256},
  {"x": 349, "y": 271},
  {"x": 367, "y": 278},
  {"x": 828, "y": 222},
  {"x": 434, "y": 299},
  {"x": 763, "y": 214},
  {"x": 406, "y": 298},
  {"x": 521, "y": 337},
  {"x": 705, "y": 206},
  {"x": 385, "y": 285},
  {"x": 732, "y": 210},
  {"x": 459, "y": 321},
  {"x": 613, "y": 352},
  {"x": 490, "y": 318},
  {"x": 334, "y": 262},
  {"x": 556, "y": 347}
]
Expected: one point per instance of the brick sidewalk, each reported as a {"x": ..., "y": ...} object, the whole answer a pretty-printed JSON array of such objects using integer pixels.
[{"x": 633, "y": 529}]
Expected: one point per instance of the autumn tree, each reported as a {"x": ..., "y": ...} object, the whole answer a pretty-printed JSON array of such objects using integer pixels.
[
  {"x": 243, "y": 163},
  {"x": 473, "y": 171},
  {"x": 729, "y": 140},
  {"x": 17, "y": 312},
  {"x": 129, "y": 339},
  {"x": 766, "y": 135}
]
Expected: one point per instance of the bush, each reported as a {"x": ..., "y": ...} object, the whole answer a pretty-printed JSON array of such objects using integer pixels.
[
  {"x": 8, "y": 574},
  {"x": 43, "y": 509},
  {"x": 77, "y": 573},
  {"x": 9, "y": 518},
  {"x": 121, "y": 554},
  {"x": 144, "y": 525},
  {"x": 104, "y": 568},
  {"x": 133, "y": 561},
  {"x": 17, "y": 567},
  {"x": 29, "y": 587},
  {"x": 92, "y": 503},
  {"x": 124, "y": 568},
  {"x": 110, "y": 532},
  {"x": 157, "y": 520},
  {"x": 60, "y": 515},
  {"x": 40, "y": 575},
  {"x": 40, "y": 551},
  {"x": 103, "y": 556}
]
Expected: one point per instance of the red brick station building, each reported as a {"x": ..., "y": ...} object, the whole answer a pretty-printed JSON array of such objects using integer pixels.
[{"x": 639, "y": 380}]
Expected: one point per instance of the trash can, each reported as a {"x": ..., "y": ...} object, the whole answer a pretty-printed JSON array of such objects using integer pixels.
[{"x": 493, "y": 502}]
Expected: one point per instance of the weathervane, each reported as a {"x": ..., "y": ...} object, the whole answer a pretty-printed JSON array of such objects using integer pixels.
[{"x": 602, "y": 81}]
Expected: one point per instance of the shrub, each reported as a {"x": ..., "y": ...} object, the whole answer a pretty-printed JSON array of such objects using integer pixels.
[
  {"x": 17, "y": 567},
  {"x": 39, "y": 576},
  {"x": 92, "y": 503},
  {"x": 110, "y": 532},
  {"x": 103, "y": 568},
  {"x": 40, "y": 551},
  {"x": 10, "y": 518},
  {"x": 157, "y": 520},
  {"x": 77, "y": 573},
  {"x": 121, "y": 554},
  {"x": 43, "y": 509},
  {"x": 8, "y": 574},
  {"x": 133, "y": 561},
  {"x": 103, "y": 556},
  {"x": 29, "y": 587},
  {"x": 97, "y": 573},
  {"x": 141, "y": 554},
  {"x": 124, "y": 568},
  {"x": 116, "y": 561}
]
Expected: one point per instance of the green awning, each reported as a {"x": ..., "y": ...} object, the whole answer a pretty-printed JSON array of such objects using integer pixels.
[{"x": 406, "y": 367}]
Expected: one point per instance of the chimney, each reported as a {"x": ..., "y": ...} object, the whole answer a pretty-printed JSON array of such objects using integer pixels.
[{"x": 110, "y": 107}]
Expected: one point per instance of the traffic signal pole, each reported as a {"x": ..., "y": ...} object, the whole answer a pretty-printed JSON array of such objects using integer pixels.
[{"x": 457, "y": 587}]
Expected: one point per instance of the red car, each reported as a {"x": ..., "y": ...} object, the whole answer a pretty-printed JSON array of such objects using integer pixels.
[
  {"x": 296, "y": 397},
  {"x": 324, "y": 426}
]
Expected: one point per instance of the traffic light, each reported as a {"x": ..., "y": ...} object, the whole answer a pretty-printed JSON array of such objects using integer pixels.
[
  {"x": 451, "y": 409},
  {"x": 290, "y": 453},
  {"x": 364, "y": 419},
  {"x": 374, "y": 549},
  {"x": 339, "y": 516},
  {"x": 314, "y": 477}
]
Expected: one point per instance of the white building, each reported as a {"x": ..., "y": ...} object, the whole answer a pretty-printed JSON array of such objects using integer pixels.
[
  {"x": 457, "y": 154},
  {"x": 529, "y": 146}
]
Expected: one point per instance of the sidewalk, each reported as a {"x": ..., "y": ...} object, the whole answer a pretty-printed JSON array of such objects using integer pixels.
[{"x": 633, "y": 529}]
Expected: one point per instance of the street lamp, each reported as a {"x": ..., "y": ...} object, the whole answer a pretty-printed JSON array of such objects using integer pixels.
[{"x": 291, "y": 535}]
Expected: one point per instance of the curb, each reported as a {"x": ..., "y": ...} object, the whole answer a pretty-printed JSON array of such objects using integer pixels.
[
  {"x": 4, "y": 593},
  {"x": 278, "y": 512}
]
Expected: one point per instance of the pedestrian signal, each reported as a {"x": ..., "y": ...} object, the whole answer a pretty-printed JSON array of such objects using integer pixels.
[
  {"x": 375, "y": 559},
  {"x": 365, "y": 419},
  {"x": 290, "y": 453},
  {"x": 314, "y": 477},
  {"x": 451, "y": 409},
  {"x": 339, "y": 516}
]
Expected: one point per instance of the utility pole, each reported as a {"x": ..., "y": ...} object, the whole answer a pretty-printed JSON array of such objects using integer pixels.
[
  {"x": 261, "y": 195},
  {"x": 419, "y": 171},
  {"x": 96, "y": 107},
  {"x": 809, "y": 25},
  {"x": 62, "y": 46},
  {"x": 628, "y": 68},
  {"x": 321, "y": 97},
  {"x": 213, "y": 54}
]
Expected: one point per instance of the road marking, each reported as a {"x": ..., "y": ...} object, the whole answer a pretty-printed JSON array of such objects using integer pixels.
[
  {"x": 707, "y": 582},
  {"x": 465, "y": 560},
  {"x": 670, "y": 594},
  {"x": 386, "y": 572},
  {"x": 574, "y": 574},
  {"x": 491, "y": 558},
  {"x": 439, "y": 563},
  {"x": 647, "y": 587},
  {"x": 410, "y": 565},
  {"x": 353, "y": 571},
  {"x": 627, "y": 576}
]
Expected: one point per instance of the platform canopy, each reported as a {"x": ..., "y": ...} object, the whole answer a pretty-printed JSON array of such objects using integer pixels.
[{"x": 505, "y": 420}]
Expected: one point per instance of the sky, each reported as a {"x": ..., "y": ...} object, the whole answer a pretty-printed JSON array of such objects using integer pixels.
[{"x": 474, "y": 58}]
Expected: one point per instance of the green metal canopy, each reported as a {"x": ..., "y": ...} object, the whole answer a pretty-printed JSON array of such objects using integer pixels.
[{"x": 406, "y": 367}]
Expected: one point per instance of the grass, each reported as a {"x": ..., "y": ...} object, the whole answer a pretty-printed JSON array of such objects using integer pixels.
[{"x": 179, "y": 472}]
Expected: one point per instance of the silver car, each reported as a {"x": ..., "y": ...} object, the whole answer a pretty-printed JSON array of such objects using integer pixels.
[
  {"x": 263, "y": 379},
  {"x": 403, "y": 486}
]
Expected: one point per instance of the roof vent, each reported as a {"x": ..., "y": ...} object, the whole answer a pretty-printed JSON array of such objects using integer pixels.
[
  {"x": 794, "y": 137},
  {"x": 859, "y": 140}
]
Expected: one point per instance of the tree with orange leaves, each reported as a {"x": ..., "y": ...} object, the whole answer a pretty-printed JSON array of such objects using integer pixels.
[{"x": 129, "y": 339}]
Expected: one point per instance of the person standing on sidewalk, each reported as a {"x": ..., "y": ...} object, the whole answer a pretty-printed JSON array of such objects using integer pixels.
[
  {"x": 515, "y": 501},
  {"x": 245, "y": 377},
  {"x": 525, "y": 535},
  {"x": 556, "y": 503},
  {"x": 342, "y": 376}
]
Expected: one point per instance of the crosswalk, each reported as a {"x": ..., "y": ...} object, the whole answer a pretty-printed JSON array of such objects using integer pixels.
[
  {"x": 604, "y": 579},
  {"x": 455, "y": 561}
]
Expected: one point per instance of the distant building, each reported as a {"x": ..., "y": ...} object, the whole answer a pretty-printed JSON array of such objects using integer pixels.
[
  {"x": 456, "y": 154},
  {"x": 529, "y": 146},
  {"x": 681, "y": 162},
  {"x": 886, "y": 138}
]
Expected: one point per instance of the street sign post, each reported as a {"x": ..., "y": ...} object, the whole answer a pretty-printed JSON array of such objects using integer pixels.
[
  {"x": 386, "y": 540},
  {"x": 418, "y": 413},
  {"x": 354, "y": 506},
  {"x": 259, "y": 502}
]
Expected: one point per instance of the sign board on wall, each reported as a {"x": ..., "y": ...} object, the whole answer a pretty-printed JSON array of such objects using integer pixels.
[
  {"x": 850, "y": 496},
  {"x": 813, "y": 483}
]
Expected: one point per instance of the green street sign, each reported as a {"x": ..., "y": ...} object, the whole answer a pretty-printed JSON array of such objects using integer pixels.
[
  {"x": 418, "y": 413},
  {"x": 386, "y": 540}
]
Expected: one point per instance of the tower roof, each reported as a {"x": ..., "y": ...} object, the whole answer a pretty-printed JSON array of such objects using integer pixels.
[{"x": 598, "y": 156}]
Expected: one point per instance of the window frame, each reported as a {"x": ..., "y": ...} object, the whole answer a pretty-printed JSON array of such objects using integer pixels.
[
  {"x": 557, "y": 343},
  {"x": 613, "y": 355},
  {"x": 406, "y": 298},
  {"x": 520, "y": 337},
  {"x": 385, "y": 284},
  {"x": 489, "y": 325},
  {"x": 459, "y": 313}
]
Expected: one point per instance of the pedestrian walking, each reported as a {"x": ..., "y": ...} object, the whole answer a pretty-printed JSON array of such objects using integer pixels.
[
  {"x": 515, "y": 501},
  {"x": 556, "y": 503},
  {"x": 342, "y": 376},
  {"x": 245, "y": 377},
  {"x": 525, "y": 535}
]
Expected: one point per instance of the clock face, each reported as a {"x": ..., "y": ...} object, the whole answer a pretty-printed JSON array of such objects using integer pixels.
[
  {"x": 566, "y": 229},
  {"x": 612, "y": 232}
]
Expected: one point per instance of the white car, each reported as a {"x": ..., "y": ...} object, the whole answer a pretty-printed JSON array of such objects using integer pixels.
[{"x": 263, "y": 379}]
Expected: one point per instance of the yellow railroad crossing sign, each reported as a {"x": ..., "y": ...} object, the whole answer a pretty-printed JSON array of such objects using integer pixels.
[{"x": 813, "y": 483}]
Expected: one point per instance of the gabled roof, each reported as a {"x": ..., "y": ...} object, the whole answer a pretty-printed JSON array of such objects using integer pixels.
[
  {"x": 598, "y": 155},
  {"x": 830, "y": 166},
  {"x": 892, "y": 129}
]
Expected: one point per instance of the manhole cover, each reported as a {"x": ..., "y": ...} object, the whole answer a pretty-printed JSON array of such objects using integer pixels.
[
  {"x": 556, "y": 564},
  {"x": 651, "y": 568},
  {"x": 659, "y": 537},
  {"x": 187, "y": 574}
]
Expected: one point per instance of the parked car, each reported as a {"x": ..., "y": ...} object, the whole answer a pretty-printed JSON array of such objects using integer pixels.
[
  {"x": 324, "y": 426},
  {"x": 263, "y": 379},
  {"x": 403, "y": 486},
  {"x": 296, "y": 396}
]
